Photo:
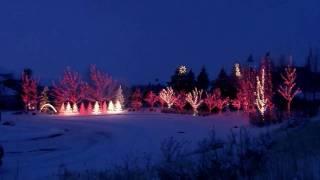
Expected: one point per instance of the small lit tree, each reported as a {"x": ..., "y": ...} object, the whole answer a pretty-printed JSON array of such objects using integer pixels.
[
  {"x": 136, "y": 100},
  {"x": 29, "y": 92},
  {"x": 180, "y": 102},
  {"x": 104, "y": 107},
  {"x": 219, "y": 102},
  {"x": 44, "y": 99},
  {"x": 151, "y": 98},
  {"x": 209, "y": 101},
  {"x": 194, "y": 99},
  {"x": 287, "y": 89},
  {"x": 82, "y": 110},
  {"x": 119, "y": 96},
  {"x": 168, "y": 96},
  {"x": 236, "y": 103},
  {"x": 261, "y": 100}
]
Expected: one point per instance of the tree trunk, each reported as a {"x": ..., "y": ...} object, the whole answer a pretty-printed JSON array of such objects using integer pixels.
[{"x": 289, "y": 107}]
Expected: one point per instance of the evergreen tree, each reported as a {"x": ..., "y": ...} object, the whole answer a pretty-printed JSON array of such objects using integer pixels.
[
  {"x": 182, "y": 81},
  {"x": 44, "y": 99},
  {"x": 203, "y": 79},
  {"x": 226, "y": 84},
  {"x": 190, "y": 81},
  {"x": 119, "y": 96}
]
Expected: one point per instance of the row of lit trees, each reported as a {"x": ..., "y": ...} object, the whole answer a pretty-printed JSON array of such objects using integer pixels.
[
  {"x": 71, "y": 88},
  {"x": 254, "y": 92},
  {"x": 179, "y": 100}
]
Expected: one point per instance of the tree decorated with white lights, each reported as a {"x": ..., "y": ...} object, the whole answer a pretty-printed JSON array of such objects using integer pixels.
[
  {"x": 75, "y": 108},
  {"x": 96, "y": 108},
  {"x": 118, "y": 107},
  {"x": 168, "y": 96},
  {"x": 110, "y": 107},
  {"x": 261, "y": 100},
  {"x": 119, "y": 96},
  {"x": 194, "y": 99},
  {"x": 287, "y": 89}
]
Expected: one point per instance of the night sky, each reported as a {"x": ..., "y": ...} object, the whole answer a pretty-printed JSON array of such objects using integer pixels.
[{"x": 137, "y": 41}]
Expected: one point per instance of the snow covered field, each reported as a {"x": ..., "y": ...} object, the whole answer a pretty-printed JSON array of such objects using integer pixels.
[{"x": 38, "y": 146}]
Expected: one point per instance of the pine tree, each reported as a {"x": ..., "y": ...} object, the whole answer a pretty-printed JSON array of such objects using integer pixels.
[
  {"x": 226, "y": 84},
  {"x": 182, "y": 81},
  {"x": 203, "y": 80},
  {"x": 44, "y": 99},
  {"x": 119, "y": 96}
]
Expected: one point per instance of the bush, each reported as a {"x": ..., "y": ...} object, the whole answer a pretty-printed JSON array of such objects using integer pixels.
[{"x": 240, "y": 157}]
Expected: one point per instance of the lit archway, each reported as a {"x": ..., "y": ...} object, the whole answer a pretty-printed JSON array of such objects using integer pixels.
[{"x": 49, "y": 106}]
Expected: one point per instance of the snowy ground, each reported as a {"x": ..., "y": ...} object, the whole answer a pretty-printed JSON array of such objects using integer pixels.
[{"x": 38, "y": 146}]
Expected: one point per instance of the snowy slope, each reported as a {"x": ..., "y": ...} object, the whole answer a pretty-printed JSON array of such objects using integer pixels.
[{"x": 38, "y": 146}]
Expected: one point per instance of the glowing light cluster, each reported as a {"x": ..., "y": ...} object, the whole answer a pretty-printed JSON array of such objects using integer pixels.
[
  {"x": 70, "y": 110},
  {"x": 237, "y": 70},
  {"x": 182, "y": 70},
  {"x": 194, "y": 99},
  {"x": 168, "y": 96},
  {"x": 48, "y": 106},
  {"x": 115, "y": 108},
  {"x": 261, "y": 101}
]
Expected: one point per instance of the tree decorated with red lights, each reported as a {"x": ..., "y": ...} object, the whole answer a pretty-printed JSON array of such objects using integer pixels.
[
  {"x": 136, "y": 99},
  {"x": 89, "y": 108},
  {"x": 70, "y": 88},
  {"x": 151, "y": 98},
  {"x": 246, "y": 89},
  {"x": 194, "y": 99},
  {"x": 101, "y": 85},
  {"x": 168, "y": 96},
  {"x": 82, "y": 109},
  {"x": 236, "y": 103},
  {"x": 288, "y": 89},
  {"x": 29, "y": 92},
  {"x": 180, "y": 102},
  {"x": 220, "y": 102},
  {"x": 210, "y": 101}
]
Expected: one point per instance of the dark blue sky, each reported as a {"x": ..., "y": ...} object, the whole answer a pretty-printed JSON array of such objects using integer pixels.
[{"x": 137, "y": 41}]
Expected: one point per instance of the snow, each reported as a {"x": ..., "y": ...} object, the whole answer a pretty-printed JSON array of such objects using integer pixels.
[{"x": 38, "y": 146}]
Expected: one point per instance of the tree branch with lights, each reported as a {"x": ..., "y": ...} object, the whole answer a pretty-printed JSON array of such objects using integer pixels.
[
  {"x": 287, "y": 89},
  {"x": 168, "y": 96},
  {"x": 194, "y": 99}
]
